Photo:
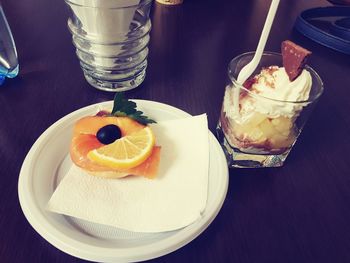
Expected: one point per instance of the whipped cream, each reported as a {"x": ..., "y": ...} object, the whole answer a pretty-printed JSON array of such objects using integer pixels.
[{"x": 272, "y": 83}]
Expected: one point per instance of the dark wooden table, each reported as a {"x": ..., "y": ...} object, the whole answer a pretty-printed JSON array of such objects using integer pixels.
[{"x": 297, "y": 213}]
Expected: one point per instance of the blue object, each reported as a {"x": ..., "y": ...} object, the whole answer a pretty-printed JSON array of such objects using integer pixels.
[
  {"x": 335, "y": 34},
  {"x": 8, "y": 54},
  {"x": 341, "y": 28}
]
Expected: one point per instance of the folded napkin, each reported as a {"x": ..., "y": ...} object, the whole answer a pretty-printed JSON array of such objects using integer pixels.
[{"x": 171, "y": 201}]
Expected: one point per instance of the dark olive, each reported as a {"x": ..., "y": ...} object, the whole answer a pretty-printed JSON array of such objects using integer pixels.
[{"x": 108, "y": 134}]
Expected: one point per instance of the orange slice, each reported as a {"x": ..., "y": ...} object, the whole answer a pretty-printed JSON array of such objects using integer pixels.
[{"x": 127, "y": 152}]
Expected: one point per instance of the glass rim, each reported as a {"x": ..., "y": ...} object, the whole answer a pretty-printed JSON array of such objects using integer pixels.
[
  {"x": 74, "y": 2},
  {"x": 307, "y": 67}
]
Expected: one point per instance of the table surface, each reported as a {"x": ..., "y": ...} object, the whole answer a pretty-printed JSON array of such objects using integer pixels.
[{"x": 297, "y": 213}]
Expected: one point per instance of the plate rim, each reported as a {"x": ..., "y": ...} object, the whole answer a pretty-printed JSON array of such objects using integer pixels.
[{"x": 73, "y": 247}]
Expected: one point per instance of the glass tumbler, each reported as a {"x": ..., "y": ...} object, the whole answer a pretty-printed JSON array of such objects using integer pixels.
[
  {"x": 111, "y": 39},
  {"x": 256, "y": 130}
]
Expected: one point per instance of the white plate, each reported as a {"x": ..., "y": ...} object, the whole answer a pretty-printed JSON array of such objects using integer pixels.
[{"x": 48, "y": 160}]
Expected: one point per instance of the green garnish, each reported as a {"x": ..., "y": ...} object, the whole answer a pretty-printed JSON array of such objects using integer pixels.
[{"x": 125, "y": 108}]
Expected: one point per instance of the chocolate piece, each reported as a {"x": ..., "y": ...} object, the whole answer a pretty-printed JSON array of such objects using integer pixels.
[{"x": 294, "y": 58}]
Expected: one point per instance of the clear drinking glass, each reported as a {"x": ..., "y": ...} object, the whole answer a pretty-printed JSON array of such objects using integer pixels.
[
  {"x": 250, "y": 132},
  {"x": 111, "y": 39},
  {"x": 8, "y": 53}
]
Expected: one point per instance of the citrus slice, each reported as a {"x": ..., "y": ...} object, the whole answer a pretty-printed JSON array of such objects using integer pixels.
[{"x": 126, "y": 152}]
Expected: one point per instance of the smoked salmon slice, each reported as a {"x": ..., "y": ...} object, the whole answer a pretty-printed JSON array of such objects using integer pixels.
[
  {"x": 91, "y": 124},
  {"x": 84, "y": 140}
]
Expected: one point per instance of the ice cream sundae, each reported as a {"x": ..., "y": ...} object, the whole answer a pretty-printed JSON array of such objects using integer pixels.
[{"x": 269, "y": 104}]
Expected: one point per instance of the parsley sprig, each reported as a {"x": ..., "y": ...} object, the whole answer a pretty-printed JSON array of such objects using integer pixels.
[{"x": 125, "y": 108}]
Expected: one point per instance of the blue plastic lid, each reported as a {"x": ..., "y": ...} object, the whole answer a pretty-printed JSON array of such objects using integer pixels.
[{"x": 336, "y": 36}]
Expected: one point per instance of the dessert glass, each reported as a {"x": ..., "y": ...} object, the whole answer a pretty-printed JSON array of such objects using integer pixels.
[{"x": 252, "y": 136}]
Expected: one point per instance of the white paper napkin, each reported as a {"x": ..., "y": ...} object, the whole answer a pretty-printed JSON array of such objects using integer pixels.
[{"x": 173, "y": 200}]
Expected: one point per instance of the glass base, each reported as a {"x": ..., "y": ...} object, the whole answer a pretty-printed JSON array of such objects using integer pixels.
[
  {"x": 238, "y": 159},
  {"x": 4, "y": 72},
  {"x": 116, "y": 82}
]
